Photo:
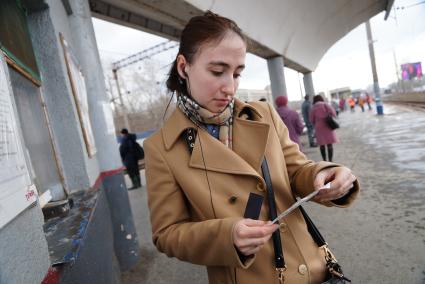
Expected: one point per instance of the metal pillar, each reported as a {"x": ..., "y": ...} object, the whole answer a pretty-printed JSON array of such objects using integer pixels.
[
  {"x": 308, "y": 85},
  {"x": 277, "y": 77},
  {"x": 379, "y": 106}
]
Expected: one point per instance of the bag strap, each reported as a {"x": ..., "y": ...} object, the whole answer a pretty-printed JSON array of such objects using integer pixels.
[
  {"x": 312, "y": 229},
  {"x": 333, "y": 266},
  {"x": 190, "y": 137},
  {"x": 326, "y": 109},
  {"x": 277, "y": 244}
]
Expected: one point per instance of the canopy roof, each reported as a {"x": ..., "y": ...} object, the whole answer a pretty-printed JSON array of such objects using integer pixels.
[{"x": 299, "y": 30}]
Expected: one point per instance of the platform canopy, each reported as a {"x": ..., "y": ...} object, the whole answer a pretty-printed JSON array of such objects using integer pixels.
[{"x": 299, "y": 30}]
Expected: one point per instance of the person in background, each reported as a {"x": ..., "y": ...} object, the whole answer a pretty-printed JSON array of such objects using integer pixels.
[
  {"x": 335, "y": 106},
  {"x": 351, "y": 103},
  {"x": 342, "y": 104},
  {"x": 305, "y": 110},
  {"x": 325, "y": 136},
  {"x": 368, "y": 101},
  {"x": 360, "y": 102},
  {"x": 130, "y": 155},
  {"x": 291, "y": 119}
]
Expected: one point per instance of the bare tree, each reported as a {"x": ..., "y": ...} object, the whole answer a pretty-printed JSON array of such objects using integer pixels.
[{"x": 144, "y": 95}]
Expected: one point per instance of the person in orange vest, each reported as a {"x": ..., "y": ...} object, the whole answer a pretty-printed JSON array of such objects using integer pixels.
[
  {"x": 368, "y": 101},
  {"x": 351, "y": 103},
  {"x": 360, "y": 101}
]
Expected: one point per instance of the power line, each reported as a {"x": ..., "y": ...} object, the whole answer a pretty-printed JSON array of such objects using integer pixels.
[
  {"x": 410, "y": 6},
  {"x": 114, "y": 52},
  {"x": 147, "y": 53}
]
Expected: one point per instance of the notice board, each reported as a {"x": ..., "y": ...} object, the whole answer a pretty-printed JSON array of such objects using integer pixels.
[
  {"x": 79, "y": 91},
  {"x": 16, "y": 191}
]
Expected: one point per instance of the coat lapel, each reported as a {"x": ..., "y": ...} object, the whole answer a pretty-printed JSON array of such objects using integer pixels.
[
  {"x": 250, "y": 141},
  {"x": 249, "y": 144},
  {"x": 210, "y": 154}
]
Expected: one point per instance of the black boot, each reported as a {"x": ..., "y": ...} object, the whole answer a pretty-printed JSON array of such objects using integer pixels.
[
  {"x": 138, "y": 181},
  {"x": 330, "y": 152},
  {"x": 323, "y": 152},
  {"x": 133, "y": 182}
]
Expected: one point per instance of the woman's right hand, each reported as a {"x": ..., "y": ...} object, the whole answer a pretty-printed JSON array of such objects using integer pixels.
[{"x": 250, "y": 235}]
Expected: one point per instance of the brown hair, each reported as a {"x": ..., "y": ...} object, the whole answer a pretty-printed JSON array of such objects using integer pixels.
[
  {"x": 199, "y": 30},
  {"x": 317, "y": 98}
]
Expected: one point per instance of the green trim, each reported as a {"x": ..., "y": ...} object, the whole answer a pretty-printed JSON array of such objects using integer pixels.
[
  {"x": 36, "y": 71},
  {"x": 32, "y": 73}
]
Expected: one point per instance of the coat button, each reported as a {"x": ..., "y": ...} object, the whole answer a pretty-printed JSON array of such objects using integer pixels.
[
  {"x": 302, "y": 269},
  {"x": 282, "y": 227},
  {"x": 233, "y": 199},
  {"x": 260, "y": 186}
]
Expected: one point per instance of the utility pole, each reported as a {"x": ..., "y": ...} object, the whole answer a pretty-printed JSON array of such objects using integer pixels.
[
  {"x": 399, "y": 79},
  {"x": 378, "y": 101},
  {"x": 123, "y": 106}
]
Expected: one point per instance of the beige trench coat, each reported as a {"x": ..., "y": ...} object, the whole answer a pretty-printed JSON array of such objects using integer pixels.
[{"x": 195, "y": 199}]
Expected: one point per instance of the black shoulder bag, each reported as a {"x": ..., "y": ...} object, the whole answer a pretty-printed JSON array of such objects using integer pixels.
[
  {"x": 330, "y": 121},
  {"x": 335, "y": 274}
]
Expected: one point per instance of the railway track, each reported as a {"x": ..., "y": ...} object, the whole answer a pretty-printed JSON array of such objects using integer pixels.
[{"x": 414, "y": 104}]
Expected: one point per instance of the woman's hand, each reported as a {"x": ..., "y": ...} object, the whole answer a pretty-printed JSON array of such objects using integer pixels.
[
  {"x": 341, "y": 179},
  {"x": 250, "y": 235}
]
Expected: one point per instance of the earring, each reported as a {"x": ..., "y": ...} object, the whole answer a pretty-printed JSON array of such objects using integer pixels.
[{"x": 180, "y": 81}]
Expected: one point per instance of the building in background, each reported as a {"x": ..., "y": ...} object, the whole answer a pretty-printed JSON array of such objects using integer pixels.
[
  {"x": 248, "y": 95},
  {"x": 336, "y": 94}
]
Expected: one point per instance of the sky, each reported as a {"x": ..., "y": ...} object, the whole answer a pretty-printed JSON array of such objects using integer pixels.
[{"x": 400, "y": 39}]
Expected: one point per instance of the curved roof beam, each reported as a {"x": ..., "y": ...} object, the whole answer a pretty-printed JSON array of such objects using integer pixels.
[{"x": 299, "y": 30}]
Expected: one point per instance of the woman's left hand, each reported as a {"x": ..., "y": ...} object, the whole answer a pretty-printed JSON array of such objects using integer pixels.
[{"x": 341, "y": 179}]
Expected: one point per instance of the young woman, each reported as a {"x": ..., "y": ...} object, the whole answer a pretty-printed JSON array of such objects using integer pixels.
[
  {"x": 204, "y": 162},
  {"x": 325, "y": 136}
]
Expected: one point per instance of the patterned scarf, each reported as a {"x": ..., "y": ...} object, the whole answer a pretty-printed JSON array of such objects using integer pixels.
[{"x": 201, "y": 116}]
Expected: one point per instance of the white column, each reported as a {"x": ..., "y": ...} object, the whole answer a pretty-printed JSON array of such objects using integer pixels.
[
  {"x": 308, "y": 84},
  {"x": 277, "y": 76},
  {"x": 84, "y": 42}
]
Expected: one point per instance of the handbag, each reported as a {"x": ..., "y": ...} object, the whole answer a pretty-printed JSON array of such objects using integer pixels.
[
  {"x": 330, "y": 121},
  {"x": 335, "y": 274},
  {"x": 334, "y": 270}
]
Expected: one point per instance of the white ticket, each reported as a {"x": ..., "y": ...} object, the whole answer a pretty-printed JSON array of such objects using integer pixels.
[{"x": 299, "y": 202}]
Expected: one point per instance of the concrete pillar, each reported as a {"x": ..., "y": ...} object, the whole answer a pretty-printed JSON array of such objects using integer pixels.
[
  {"x": 308, "y": 85},
  {"x": 84, "y": 44},
  {"x": 277, "y": 77},
  {"x": 376, "y": 89}
]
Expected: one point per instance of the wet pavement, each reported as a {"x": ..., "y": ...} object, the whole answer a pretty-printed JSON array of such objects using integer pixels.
[{"x": 380, "y": 239}]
